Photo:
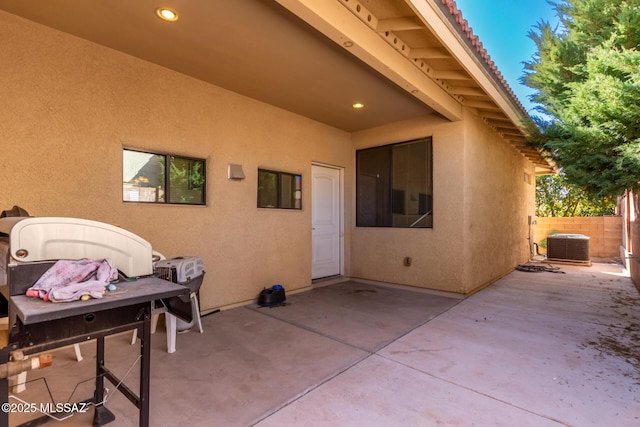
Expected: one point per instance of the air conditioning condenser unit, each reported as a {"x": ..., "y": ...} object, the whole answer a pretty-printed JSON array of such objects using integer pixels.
[{"x": 573, "y": 248}]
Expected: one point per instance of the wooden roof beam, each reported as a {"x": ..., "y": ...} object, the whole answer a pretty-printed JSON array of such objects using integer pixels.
[
  {"x": 451, "y": 75},
  {"x": 429, "y": 53},
  {"x": 483, "y": 105},
  {"x": 471, "y": 91},
  {"x": 499, "y": 123},
  {"x": 496, "y": 116},
  {"x": 399, "y": 24}
]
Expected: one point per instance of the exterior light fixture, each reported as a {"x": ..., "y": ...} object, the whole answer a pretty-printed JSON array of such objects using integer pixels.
[
  {"x": 358, "y": 105},
  {"x": 167, "y": 14}
]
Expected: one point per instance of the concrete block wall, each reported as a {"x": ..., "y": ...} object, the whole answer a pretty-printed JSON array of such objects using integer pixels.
[{"x": 605, "y": 232}]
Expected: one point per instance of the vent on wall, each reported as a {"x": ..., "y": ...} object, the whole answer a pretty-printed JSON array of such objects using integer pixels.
[{"x": 569, "y": 248}]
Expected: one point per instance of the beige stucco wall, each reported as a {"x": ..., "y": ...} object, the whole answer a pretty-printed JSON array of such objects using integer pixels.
[
  {"x": 378, "y": 253},
  {"x": 69, "y": 107},
  {"x": 499, "y": 189},
  {"x": 481, "y": 207}
]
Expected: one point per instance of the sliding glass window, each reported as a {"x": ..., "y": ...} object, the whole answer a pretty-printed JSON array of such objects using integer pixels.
[
  {"x": 162, "y": 178},
  {"x": 394, "y": 185}
]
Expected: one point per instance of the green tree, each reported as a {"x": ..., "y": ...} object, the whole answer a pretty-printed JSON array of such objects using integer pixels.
[
  {"x": 586, "y": 75},
  {"x": 556, "y": 196}
]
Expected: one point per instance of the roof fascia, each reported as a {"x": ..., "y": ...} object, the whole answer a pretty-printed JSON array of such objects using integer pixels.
[{"x": 445, "y": 29}]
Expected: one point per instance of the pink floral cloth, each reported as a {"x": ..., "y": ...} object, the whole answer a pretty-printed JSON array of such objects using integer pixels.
[{"x": 69, "y": 280}]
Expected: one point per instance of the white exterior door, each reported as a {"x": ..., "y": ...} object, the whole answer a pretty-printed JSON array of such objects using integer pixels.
[{"x": 325, "y": 217}]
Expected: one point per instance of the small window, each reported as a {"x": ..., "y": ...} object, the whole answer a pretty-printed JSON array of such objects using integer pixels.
[
  {"x": 279, "y": 190},
  {"x": 145, "y": 178},
  {"x": 394, "y": 185}
]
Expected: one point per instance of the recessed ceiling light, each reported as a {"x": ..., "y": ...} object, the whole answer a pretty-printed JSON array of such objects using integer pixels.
[
  {"x": 167, "y": 14},
  {"x": 358, "y": 105}
]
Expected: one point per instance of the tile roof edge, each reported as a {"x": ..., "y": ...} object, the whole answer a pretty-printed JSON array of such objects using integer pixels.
[{"x": 474, "y": 42}]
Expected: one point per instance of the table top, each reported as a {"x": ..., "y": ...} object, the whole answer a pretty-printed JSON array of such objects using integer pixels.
[{"x": 34, "y": 310}]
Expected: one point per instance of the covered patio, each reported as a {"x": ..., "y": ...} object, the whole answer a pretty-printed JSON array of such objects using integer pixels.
[{"x": 532, "y": 349}]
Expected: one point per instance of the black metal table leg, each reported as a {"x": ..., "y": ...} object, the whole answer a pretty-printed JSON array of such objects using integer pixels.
[
  {"x": 145, "y": 368},
  {"x": 4, "y": 393},
  {"x": 101, "y": 415}
]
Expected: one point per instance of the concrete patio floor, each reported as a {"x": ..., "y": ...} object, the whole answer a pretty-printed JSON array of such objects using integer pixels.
[{"x": 532, "y": 349}]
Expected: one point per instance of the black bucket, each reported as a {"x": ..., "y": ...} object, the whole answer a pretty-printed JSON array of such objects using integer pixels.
[{"x": 272, "y": 296}]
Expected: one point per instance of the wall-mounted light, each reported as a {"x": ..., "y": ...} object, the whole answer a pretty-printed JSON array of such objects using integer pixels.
[
  {"x": 167, "y": 14},
  {"x": 358, "y": 105}
]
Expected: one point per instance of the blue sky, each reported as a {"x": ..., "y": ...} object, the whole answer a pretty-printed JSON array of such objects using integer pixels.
[{"x": 502, "y": 26}]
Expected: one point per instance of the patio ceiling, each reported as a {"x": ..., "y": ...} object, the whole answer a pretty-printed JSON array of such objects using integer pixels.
[{"x": 401, "y": 58}]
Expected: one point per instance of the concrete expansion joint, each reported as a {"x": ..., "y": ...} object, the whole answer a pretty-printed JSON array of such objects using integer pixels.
[{"x": 314, "y": 387}]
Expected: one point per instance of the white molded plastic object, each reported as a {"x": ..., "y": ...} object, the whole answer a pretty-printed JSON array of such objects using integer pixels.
[{"x": 54, "y": 238}]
